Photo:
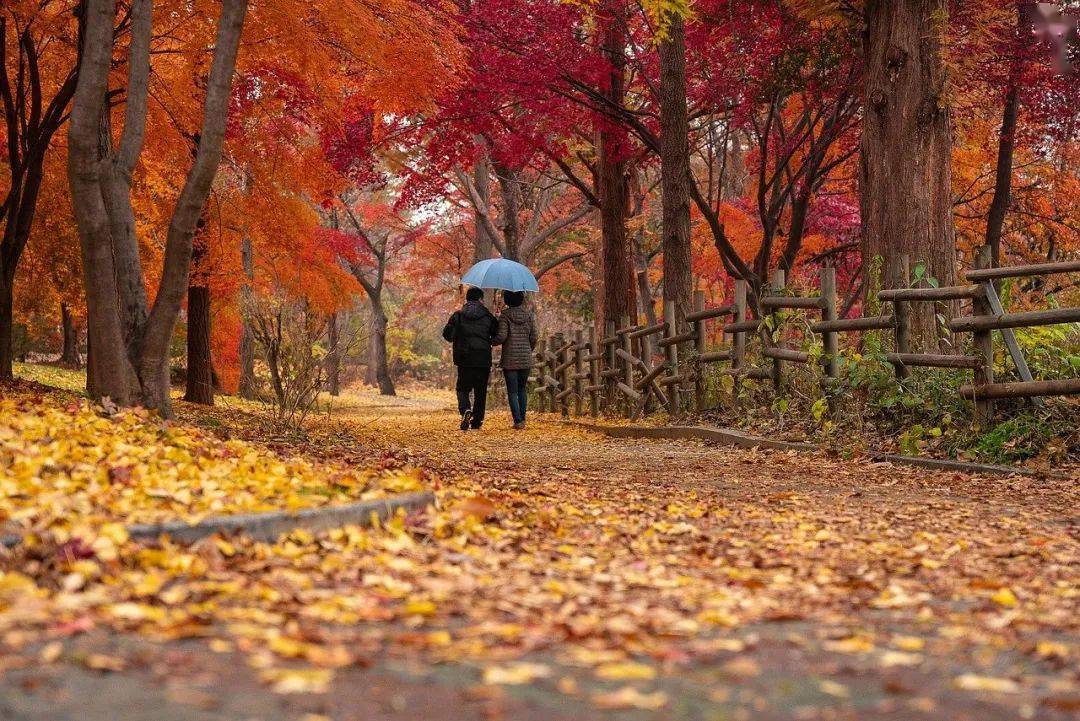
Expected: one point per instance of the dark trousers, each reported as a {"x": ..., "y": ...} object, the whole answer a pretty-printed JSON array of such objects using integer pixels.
[
  {"x": 516, "y": 383},
  {"x": 472, "y": 381}
]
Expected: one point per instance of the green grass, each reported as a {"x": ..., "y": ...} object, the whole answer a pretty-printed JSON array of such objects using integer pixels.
[{"x": 63, "y": 378}]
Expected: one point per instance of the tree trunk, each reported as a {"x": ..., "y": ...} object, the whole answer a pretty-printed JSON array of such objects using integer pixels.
[
  {"x": 377, "y": 358},
  {"x": 644, "y": 290},
  {"x": 200, "y": 369},
  {"x": 675, "y": 169},
  {"x": 131, "y": 364},
  {"x": 484, "y": 246},
  {"x": 31, "y": 120},
  {"x": 613, "y": 188},
  {"x": 248, "y": 387},
  {"x": 113, "y": 374},
  {"x": 69, "y": 357},
  {"x": 510, "y": 191},
  {"x": 999, "y": 206},
  {"x": 7, "y": 329},
  {"x": 905, "y": 161},
  {"x": 333, "y": 357}
]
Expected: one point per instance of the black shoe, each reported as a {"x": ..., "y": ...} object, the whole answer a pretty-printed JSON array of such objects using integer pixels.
[{"x": 466, "y": 420}]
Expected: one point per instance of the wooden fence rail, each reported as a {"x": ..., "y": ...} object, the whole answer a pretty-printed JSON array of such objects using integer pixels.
[{"x": 636, "y": 368}]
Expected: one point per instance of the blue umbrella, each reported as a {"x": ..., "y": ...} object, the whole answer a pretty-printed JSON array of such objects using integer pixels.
[{"x": 501, "y": 274}]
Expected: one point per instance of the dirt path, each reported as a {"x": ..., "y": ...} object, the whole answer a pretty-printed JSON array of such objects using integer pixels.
[{"x": 568, "y": 575}]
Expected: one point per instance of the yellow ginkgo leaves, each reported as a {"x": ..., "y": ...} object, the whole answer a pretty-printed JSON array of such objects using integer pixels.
[{"x": 68, "y": 469}]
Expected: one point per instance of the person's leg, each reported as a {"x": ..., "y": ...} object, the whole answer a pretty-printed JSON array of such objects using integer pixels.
[
  {"x": 523, "y": 393},
  {"x": 480, "y": 386},
  {"x": 512, "y": 396},
  {"x": 463, "y": 387}
]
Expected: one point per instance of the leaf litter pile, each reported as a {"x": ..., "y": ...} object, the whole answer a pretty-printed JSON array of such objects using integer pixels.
[
  {"x": 70, "y": 470},
  {"x": 599, "y": 569}
]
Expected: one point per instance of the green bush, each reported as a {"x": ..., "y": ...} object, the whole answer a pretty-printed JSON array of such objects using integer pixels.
[{"x": 1019, "y": 438}]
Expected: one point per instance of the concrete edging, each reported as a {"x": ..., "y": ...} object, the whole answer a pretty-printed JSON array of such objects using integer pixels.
[
  {"x": 268, "y": 526},
  {"x": 730, "y": 437}
]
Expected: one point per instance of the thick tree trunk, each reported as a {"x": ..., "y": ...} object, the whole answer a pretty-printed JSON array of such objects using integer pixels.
[
  {"x": 484, "y": 246},
  {"x": 613, "y": 189},
  {"x": 377, "y": 358},
  {"x": 69, "y": 356},
  {"x": 248, "y": 388},
  {"x": 7, "y": 329},
  {"x": 510, "y": 191},
  {"x": 333, "y": 357},
  {"x": 675, "y": 169},
  {"x": 905, "y": 162},
  {"x": 200, "y": 369},
  {"x": 113, "y": 374},
  {"x": 131, "y": 364}
]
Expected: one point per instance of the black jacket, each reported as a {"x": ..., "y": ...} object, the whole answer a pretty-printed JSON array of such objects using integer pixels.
[{"x": 472, "y": 330}]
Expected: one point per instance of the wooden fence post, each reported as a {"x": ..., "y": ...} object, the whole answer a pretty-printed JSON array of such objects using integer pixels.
[
  {"x": 777, "y": 364},
  {"x": 627, "y": 363},
  {"x": 738, "y": 340},
  {"x": 541, "y": 363},
  {"x": 671, "y": 353},
  {"x": 609, "y": 352},
  {"x": 902, "y": 320},
  {"x": 829, "y": 339},
  {"x": 579, "y": 373},
  {"x": 699, "y": 348},
  {"x": 594, "y": 373},
  {"x": 565, "y": 380},
  {"x": 553, "y": 344},
  {"x": 984, "y": 348}
]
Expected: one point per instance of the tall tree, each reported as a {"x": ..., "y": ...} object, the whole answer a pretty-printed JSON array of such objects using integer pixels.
[
  {"x": 38, "y": 73},
  {"x": 131, "y": 354},
  {"x": 905, "y": 156},
  {"x": 675, "y": 165},
  {"x": 1010, "y": 113},
  {"x": 612, "y": 178},
  {"x": 376, "y": 236},
  {"x": 200, "y": 368},
  {"x": 248, "y": 386}
]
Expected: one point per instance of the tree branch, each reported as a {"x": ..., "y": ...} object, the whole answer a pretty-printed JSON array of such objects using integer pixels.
[{"x": 557, "y": 262}]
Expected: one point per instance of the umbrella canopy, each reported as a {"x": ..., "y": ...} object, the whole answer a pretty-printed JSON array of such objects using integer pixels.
[{"x": 501, "y": 274}]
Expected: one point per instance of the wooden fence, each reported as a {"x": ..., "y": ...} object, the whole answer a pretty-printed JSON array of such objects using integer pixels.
[{"x": 637, "y": 368}]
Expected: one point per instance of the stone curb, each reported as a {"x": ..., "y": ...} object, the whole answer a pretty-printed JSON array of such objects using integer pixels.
[
  {"x": 269, "y": 526},
  {"x": 729, "y": 437},
  {"x": 724, "y": 436}
]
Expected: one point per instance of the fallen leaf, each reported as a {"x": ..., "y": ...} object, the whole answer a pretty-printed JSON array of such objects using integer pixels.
[
  {"x": 625, "y": 671},
  {"x": 297, "y": 680},
  {"x": 629, "y": 697},
  {"x": 832, "y": 688},
  {"x": 973, "y": 682},
  {"x": 50, "y": 652},
  {"x": 515, "y": 674},
  {"x": 101, "y": 662}
]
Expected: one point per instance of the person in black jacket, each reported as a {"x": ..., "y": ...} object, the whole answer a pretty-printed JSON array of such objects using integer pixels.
[{"x": 472, "y": 331}]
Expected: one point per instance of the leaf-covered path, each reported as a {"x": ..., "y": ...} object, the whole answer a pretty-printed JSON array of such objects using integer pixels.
[{"x": 565, "y": 573}]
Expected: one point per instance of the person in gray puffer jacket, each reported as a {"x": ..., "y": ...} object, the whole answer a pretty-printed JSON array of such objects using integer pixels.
[{"x": 517, "y": 335}]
